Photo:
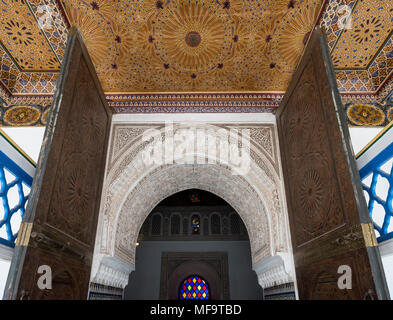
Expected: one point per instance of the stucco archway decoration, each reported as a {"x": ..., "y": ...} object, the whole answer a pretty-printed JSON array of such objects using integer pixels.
[
  {"x": 165, "y": 181},
  {"x": 133, "y": 188}
]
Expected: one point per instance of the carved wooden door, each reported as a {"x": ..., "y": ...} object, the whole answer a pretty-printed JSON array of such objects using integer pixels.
[
  {"x": 60, "y": 223},
  {"x": 328, "y": 217}
]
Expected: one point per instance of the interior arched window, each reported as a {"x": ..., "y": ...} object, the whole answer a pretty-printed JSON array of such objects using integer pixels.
[
  {"x": 235, "y": 224},
  {"x": 156, "y": 225},
  {"x": 175, "y": 224},
  {"x": 195, "y": 224},
  {"x": 194, "y": 288},
  {"x": 215, "y": 224}
]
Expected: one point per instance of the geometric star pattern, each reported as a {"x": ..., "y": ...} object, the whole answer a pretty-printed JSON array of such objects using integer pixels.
[{"x": 195, "y": 56}]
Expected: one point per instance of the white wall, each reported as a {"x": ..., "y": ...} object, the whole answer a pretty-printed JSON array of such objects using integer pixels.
[
  {"x": 29, "y": 139},
  {"x": 386, "y": 249},
  {"x": 4, "y": 267},
  {"x": 360, "y": 137}
]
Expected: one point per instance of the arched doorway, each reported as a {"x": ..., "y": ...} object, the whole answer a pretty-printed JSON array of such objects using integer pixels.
[
  {"x": 193, "y": 232},
  {"x": 133, "y": 188}
]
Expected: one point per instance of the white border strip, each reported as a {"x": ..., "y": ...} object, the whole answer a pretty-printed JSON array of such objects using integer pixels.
[
  {"x": 7, "y": 148},
  {"x": 375, "y": 149},
  {"x": 6, "y": 253}
]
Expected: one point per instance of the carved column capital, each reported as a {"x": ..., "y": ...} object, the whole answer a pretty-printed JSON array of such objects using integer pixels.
[
  {"x": 274, "y": 270},
  {"x": 111, "y": 271}
]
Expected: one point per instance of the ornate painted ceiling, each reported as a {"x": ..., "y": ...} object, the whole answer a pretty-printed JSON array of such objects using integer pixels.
[
  {"x": 193, "y": 46},
  {"x": 173, "y": 55}
]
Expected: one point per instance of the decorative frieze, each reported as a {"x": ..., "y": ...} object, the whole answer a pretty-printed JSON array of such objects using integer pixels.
[
  {"x": 111, "y": 271},
  {"x": 274, "y": 270}
]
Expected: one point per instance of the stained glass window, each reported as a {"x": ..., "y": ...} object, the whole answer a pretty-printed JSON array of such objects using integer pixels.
[
  {"x": 194, "y": 288},
  {"x": 195, "y": 225},
  {"x": 195, "y": 197}
]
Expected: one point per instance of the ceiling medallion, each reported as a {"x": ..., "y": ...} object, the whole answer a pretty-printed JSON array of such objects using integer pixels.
[
  {"x": 365, "y": 115},
  {"x": 21, "y": 115},
  {"x": 193, "y": 38}
]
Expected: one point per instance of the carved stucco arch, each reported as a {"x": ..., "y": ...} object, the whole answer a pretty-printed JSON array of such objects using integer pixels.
[
  {"x": 216, "y": 179},
  {"x": 129, "y": 195}
]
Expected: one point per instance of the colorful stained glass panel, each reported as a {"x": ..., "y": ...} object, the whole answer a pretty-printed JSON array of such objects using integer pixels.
[
  {"x": 195, "y": 225},
  {"x": 194, "y": 288}
]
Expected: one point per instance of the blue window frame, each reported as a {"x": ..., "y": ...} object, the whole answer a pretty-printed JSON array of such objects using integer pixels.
[
  {"x": 377, "y": 183},
  {"x": 15, "y": 186}
]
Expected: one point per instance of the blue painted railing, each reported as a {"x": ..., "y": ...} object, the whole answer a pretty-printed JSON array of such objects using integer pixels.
[
  {"x": 375, "y": 164},
  {"x": 16, "y": 178}
]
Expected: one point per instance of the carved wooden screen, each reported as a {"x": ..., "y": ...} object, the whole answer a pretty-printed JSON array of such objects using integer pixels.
[
  {"x": 60, "y": 223},
  {"x": 328, "y": 217}
]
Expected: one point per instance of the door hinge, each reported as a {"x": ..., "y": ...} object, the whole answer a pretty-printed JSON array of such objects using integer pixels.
[
  {"x": 369, "y": 235},
  {"x": 24, "y": 234}
]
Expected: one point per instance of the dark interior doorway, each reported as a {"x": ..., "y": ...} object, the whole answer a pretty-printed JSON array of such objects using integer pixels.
[{"x": 193, "y": 232}]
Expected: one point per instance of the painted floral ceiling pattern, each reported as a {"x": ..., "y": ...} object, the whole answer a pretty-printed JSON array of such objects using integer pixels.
[
  {"x": 192, "y": 45},
  {"x": 143, "y": 47},
  {"x": 188, "y": 46}
]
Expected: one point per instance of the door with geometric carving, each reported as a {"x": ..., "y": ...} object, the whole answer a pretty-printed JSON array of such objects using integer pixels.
[
  {"x": 59, "y": 226},
  {"x": 329, "y": 220}
]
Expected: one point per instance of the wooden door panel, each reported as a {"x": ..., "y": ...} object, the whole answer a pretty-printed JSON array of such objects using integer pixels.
[
  {"x": 64, "y": 203},
  {"x": 319, "y": 280},
  {"x": 308, "y": 143},
  {"x": 73, "y": 187},
  {"x": 328, "y": 216}
]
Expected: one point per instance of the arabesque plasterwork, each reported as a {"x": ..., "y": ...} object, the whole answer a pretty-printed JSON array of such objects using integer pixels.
[{"x": 132, "y": 189}]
